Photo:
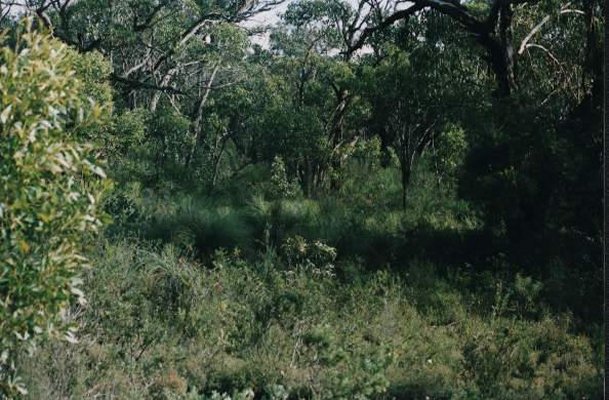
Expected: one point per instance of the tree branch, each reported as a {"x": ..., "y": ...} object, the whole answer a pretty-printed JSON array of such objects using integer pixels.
[{"x": 135, "y": 84}]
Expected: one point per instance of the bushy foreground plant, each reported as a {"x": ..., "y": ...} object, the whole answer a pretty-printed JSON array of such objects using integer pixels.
[{"x": 50, "y": 185}]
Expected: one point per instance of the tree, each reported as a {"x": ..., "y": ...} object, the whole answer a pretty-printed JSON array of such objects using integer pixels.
[
  {"x": 50, "y": 186},
  {"x": 416, "y": 83},
  {"x": 489, "y": 24},
  {"x": 170, "y": 56},
  {"x": 309, "y": 120}
]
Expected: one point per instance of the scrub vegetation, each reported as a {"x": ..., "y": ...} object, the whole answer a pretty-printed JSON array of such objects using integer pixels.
[{"x": 360, "y": 200}]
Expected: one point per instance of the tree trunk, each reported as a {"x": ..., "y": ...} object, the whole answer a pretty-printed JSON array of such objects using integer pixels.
[
  {"x": 309, "y": 177},
  {"x": 196, "y": 125},
  {"x": 405, "y": 167},
  {"x": 406, "y": 172},
  {"x": 498, "y": 43}
]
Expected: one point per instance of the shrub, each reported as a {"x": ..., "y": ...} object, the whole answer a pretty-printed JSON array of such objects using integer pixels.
[
  {"x": 49, "y": 190},
  {"x": 314, "y": 256},
  {"x": 515, "y": 359},
  {"x": 280, "y": 186}
]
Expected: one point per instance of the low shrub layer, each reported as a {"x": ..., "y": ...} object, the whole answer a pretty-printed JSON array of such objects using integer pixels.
[{"x": 161, "y": 326}]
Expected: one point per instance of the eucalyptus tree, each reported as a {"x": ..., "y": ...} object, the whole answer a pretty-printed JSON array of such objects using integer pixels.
[
  {"x": 167, "y": 56},
  {"x": 528, "y": 150},
  {"x": 417, "y": 83},
  {"x": 309, "y": 50},
  {"x": 534, "y": 165}
]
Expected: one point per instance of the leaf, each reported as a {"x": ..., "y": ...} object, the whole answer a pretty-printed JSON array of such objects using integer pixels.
[
  {"x": 21, "y": 389},
  {"x": 5, "y": 114},
  {"x": 98, "y": 171},
  {"x": 69, "y": 337},
  {"x": 23, "y": 246}
]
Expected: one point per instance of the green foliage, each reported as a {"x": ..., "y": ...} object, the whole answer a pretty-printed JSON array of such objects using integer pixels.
[
  {"x": 518, "y": 361},
  {"x": 129, "y": 131},
  {"x": 93, "y": 71},
  {"x": 449, "y": 151},
  {"x": 168, "y": 146},
  {"x": 50, "y": 185},
  {"x": 160, "y": 325},
  {"x": 316, "y": 256},
  {"x": 281, "y": 186},
  {"x": 330, "y": 217}
]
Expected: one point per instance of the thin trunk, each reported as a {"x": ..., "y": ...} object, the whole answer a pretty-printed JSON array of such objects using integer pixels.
[
  {"x": 337, "y": 131},
  {"x": 593, "y": 65},
  {"x": 385, "y": 145},
  {"x": 196, "y": 126},
  {"x": 406, "y": 172},
  {"x": 405, "y": 164},
  {"x": 435, "y": 158},
  {"x": 308, "y": 177},
  {"x": 218, "y": 152},
  {"x": 156, "y": 97},
  {"x": 505, "y": 39}
]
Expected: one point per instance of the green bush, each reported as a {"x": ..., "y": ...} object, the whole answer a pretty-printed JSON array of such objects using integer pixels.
[
  {"x": 280, "y": 186},
  {"x": 50, "y": 186},
  {"x": 514, "y": 359}
]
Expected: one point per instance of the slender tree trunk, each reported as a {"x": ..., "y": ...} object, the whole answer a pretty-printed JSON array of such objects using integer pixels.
[
  {"x": 405, "y": 182},
  {"x": 405, "y": 167},
  {"x": 156, "y": 97},
  {"x": 196, "y": 125},
  {"x": 308, "y": 177}
]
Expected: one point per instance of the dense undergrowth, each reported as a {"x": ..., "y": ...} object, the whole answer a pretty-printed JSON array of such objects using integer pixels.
[
  {"x": 159, "y": 325},
  {"x": 288, "y": 298}
]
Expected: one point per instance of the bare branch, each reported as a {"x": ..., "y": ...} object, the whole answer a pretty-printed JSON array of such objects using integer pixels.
[
  {"x": 564, "y": 10},
  {"x": 528, "y": 37},
  {"x": 545, "y": 50},
  {"x": 399, "y": 15},
  {"x": 134, "y": 84}
]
